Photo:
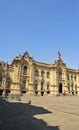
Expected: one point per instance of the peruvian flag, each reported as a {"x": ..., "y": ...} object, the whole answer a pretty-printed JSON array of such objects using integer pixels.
[{"x": 59, "y": 55}]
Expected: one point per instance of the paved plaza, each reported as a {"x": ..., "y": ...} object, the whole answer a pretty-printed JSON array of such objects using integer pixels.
[{"x": 44, "y": 113}]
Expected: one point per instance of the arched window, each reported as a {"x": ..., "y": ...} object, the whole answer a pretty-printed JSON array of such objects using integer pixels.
[
  {"x": 42, "y": 73},
  {"x": 25, "y": 70},
  {"x": 36, "y": 73},
  {"x": 48, "y": 74}
]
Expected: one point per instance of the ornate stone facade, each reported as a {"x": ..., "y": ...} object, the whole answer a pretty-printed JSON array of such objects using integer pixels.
[{"x": 25, "y": 75}]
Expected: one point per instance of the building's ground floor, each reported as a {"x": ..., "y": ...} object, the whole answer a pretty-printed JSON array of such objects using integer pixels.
[{"x": 53, "y": 90}]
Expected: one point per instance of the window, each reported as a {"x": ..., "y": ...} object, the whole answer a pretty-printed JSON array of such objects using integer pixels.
[
  {"x": 60, "y": 75},
  {"x": 23, "y": 84},
  {"x": 68, "y": 87},
  {"x": 36, "y": 86},
  {"x": 75, "y": 87},
  {"x": 75, "y": 78},
  {"x": 8, "y": 82},
  {"x": 42, "y": 73},
  {"x": 0, "y": 81},
  {"x": 48, "y": 74},
  {"x": 67, "y": 76},
  {"x": 36, "y": 73},
  {"x": 48, "y": 87},
  {"x": 25, "y": 70},
  {"x": 42, "y": 85},
  {"x": 72, "y": 86},
  {"x": 71, "y": 77}
]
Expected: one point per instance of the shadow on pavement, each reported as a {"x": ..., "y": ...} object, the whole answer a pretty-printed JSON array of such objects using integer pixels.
[{"x": 20, "y": 116}]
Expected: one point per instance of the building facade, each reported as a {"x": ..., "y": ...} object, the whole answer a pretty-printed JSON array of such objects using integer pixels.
[{"x": 25, "y": 75}]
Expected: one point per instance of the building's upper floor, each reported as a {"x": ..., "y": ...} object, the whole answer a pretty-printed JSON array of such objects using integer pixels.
[{"x": 24, "y": 66}]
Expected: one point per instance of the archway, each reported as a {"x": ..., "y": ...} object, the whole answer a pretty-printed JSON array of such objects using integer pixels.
[
  {"x": 42, "y": 93},
  {"x": 60, "y": 88}
]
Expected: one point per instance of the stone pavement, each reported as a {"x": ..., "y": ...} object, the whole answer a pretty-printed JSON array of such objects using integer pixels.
[
  {"x": 44, "y": 113},
  {"x": 65, "y": 111}
]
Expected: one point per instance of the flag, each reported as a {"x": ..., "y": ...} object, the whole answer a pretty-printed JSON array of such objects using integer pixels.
[{"x": 59, "y": 55}]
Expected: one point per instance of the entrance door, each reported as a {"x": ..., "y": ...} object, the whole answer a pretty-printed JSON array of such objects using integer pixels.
[{"x": 60, "y": 88}]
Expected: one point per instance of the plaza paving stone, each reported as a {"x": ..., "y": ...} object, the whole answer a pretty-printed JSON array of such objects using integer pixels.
[{"x": 44, "y": 113}]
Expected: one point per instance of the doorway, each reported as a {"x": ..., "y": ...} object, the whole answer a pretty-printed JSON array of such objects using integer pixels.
[
  {"x": 60, "y": 88},
  {"x": 1, "y": 91},
  {"x": 42, "y": 93}
]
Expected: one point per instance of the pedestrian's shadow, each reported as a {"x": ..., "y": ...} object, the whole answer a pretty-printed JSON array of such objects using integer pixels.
[{"x": 20, "y": 116}]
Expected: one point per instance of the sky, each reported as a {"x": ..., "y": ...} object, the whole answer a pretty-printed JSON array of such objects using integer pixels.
[{"x": 41, "y": 27}]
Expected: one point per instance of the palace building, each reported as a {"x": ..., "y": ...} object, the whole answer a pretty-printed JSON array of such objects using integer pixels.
[{"x": 27, "y": 76}]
